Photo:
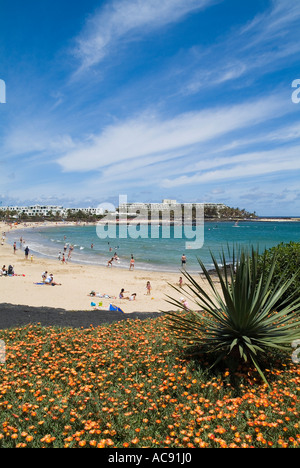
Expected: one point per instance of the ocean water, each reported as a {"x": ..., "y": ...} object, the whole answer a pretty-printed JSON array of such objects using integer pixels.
[{"x": 157, "y": 254}]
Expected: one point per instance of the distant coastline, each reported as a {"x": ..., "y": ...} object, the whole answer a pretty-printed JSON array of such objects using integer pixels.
[{"x": 136, "y": 220}]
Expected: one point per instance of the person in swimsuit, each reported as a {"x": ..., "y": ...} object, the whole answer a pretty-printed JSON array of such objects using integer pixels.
[{"x": 131, "y": 266}]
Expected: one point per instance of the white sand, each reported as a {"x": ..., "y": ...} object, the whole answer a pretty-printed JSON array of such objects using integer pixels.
[{"x": 77, "y": 281}]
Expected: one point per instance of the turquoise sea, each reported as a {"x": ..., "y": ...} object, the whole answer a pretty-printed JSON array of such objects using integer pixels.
[{"x": 158, "y": 254}]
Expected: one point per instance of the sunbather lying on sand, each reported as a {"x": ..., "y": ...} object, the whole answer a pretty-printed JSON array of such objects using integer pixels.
[{"x": 94, "y": 294}]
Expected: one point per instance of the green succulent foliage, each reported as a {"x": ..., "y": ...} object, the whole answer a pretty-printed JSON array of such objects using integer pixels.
[
  {"x": 241, "y": 318},
  {"x": 287, "y": 259}
]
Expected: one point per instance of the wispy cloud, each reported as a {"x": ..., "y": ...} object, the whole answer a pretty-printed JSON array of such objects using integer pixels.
[
  {"x": 243, "y": 166},
  {"x": 149, "y": 135},
  {"x": 126, "y": 20},
  {"x": 251, "y": 51}
]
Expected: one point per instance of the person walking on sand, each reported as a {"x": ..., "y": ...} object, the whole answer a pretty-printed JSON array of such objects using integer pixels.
[
  {"x": 148, "y": 287},
  {"x": 180, "y": 281},
  {"x": 15, "y": 247}
]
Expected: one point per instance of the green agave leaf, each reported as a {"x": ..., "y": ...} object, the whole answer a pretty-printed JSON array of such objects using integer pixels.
[{"x": 242, "y": 313}]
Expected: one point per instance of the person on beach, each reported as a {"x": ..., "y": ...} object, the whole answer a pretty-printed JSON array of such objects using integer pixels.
[
  {"x": 44, "y": 276},
  {"x": 4, "y": 271},
  {"x": 131, "y": 266},
  {"x": 121, "y": 295},
  {"x": 26, "y": 252},
  {"x": 110, "y": 262},
  {"x": 180, "y": 281},
  {"x": 51, "y": 282},
  {"x": 183, "y": 260},
  {"x": 15, "y": 247},
  {"x": 148, "y": 287},
  {"x": 116, "y": 258},
  {"x": 184, "y": 303},
  {"x": 132, "y": 297}
]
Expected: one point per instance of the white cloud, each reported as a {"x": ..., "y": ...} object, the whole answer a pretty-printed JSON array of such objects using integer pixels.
[
  {"x": 34, "y": 138},
  {"x": 149, "y": 135},
  {"x": 241, "y": 166},
  {"x": 122, "y": 19}
]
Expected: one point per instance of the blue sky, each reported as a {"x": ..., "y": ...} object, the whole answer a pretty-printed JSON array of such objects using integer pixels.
[{"x": 183, "y": 99}]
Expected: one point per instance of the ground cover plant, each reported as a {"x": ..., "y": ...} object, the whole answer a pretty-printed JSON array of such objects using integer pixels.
[{"x": 128, "y": 384}]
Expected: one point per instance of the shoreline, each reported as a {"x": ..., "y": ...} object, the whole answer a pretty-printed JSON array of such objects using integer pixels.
[{"x": 78, "y": 280}]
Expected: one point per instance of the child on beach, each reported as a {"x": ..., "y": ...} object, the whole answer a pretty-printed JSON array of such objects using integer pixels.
[
  {"x": 185, "y": 303},
  {"x": 121, "y": 295},
  {"x": 148, "y": 287},
  {"x": 44, "y": 276}
]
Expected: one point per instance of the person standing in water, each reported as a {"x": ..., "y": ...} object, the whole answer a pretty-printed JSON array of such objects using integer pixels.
[{"x": 131, "y": 266}]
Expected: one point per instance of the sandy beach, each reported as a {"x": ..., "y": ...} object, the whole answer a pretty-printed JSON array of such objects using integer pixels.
[{"x": 77, "y": 281}]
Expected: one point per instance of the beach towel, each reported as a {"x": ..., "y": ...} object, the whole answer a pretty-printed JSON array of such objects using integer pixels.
[{"x": 115, "y": 308}]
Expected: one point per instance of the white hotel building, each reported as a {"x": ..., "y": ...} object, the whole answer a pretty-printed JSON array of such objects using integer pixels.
[{"x": 166, "y": 205}]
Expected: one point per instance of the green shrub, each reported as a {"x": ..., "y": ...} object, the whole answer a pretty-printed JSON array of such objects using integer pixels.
[{"x": 287, "y": 262}]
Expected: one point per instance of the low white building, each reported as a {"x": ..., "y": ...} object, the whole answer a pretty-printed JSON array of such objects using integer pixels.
[
  {"x": 48, "y": 210},
  {"x": 34, "y": 210}
]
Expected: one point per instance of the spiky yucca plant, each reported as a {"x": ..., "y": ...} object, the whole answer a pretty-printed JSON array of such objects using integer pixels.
[{"x": 240, "y": 319}]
